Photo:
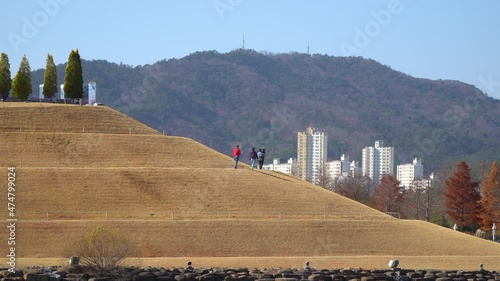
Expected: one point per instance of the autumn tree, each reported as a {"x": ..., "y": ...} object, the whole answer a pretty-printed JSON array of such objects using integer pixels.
[
  {"x": 21, "y": 85},
  {"x": 73, "y": 79},
  {"x": 5, "y": 80},
  {"x": 462, "y": 198},
  {"x": 490, "y": 201},
  {"x": 50, "y": 78},
  {"x": 356, "y": 188},
  {"x": 388, "y": 196}
]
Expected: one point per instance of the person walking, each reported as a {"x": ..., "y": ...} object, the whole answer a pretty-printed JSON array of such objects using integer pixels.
[
  {"x": 260, "y": 158},
  {"x": 253, "y": 158},
  {"x": 236, "y": 155}
]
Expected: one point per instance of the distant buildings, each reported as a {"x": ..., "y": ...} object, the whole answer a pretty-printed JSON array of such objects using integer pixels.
[
  {"x": 311, "y": 154},
  {"x": 377, "y": 161},
  {"x": 343, "y": 168},
  {"x": 289, "y": 168},
  {"x": 408, "y": 173}
]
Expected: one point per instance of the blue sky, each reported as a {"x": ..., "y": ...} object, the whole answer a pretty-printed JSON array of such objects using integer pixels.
[{"x": 446, "y": 39}]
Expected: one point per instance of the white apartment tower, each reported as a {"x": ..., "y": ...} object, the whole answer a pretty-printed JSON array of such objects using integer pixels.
[
  {"x": 311, "y": 154},
  {"x": 408, "y": 173},
  {"x": 377, "y": 161}
]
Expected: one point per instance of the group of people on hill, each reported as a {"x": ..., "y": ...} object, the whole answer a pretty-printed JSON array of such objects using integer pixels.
[{"x": 256, "y": 157}]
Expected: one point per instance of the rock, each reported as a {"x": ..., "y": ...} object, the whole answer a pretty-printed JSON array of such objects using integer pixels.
[
  {"x": 30, "y": 277},
  {"x": 443, "y": 278},
  {"x": 245, "y": 277},
  {"x": 165, "y": 278},
  {"x": 100, "y": 279},
  {"x": 145, "y": 276},
  {"x": 441, "y": 275},
  {"x": 6, "y": 273},
  {"x": 316, "y": 277},
  {"x": 13, "y": 279}
]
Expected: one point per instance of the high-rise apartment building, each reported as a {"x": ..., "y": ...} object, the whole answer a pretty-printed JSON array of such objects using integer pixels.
[
  {"x": 408, "y": 173},
  {"x": 311, "y": 154},
  {"x": 377, "y": 161}
]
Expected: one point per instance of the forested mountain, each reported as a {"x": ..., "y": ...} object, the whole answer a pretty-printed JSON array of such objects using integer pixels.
[{"x": 263, "y": 100}]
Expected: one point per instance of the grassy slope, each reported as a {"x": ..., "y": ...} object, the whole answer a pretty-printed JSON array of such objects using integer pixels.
[{"x": 132, "y": 177}]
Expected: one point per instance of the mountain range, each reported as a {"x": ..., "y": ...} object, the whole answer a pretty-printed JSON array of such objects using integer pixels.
[{"x": 263, "y": 99}]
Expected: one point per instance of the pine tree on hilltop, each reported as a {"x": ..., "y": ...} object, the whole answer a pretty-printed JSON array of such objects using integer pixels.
[
  {"x": 491, "y": 198},
  {"x": 462, "y": 198},
  {"x": 50, "y": 78},
  {"x": 5, "y": 80},
  {"x": 21, "y": 85},
  {"x": 73, "y": 79}
]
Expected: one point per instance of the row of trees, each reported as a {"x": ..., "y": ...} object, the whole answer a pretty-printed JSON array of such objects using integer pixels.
[
  {"x": 459, "y": 199},
  {"x": 21, "y": 85}
]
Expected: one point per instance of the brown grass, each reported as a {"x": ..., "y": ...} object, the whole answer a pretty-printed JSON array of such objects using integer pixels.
[
  {"x": 177, "y": 198},
  {"x": 137, "y": 193},
  {"x": 52, "y": 117}
]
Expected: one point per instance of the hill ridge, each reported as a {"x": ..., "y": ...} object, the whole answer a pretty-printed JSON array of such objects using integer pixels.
[{"x": 168, "y": 173}]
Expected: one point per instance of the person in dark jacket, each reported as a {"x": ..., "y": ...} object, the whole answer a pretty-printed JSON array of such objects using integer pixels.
[{"x": 253, "y": 158}]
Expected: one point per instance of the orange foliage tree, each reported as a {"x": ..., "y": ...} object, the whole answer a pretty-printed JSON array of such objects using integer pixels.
[
  {"x": 388, "y": 196},
  {"x": 490, "y": 201},
  {"x": 462, "y": 198}
]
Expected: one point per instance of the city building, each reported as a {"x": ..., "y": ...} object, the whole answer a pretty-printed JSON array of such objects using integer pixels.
[
  {"x": 339, "y": 168},
  {"x": 408, "y": 173},
  {"x": 355, "y": 169},
  {"x": 377, "y": 161},
  {"x": 311, "y": 154},
  {"x": 289, "y": 168}
]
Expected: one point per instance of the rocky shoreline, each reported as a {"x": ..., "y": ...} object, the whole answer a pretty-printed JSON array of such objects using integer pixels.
[{"x": 244, "y": 274}]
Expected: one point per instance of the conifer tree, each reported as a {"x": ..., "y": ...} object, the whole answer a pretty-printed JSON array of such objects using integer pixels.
[
  {"x": 5, "y": 80},
  {"x": 73, "y": 79},
  {"x": 490, "y": 201},
  {"x": 50, "y": 78},
  {"x": 462, "y": 198},
  {"x": 21, "y": 85}
]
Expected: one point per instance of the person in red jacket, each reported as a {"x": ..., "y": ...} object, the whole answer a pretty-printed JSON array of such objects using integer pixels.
[{"x": 236, "y": 155}]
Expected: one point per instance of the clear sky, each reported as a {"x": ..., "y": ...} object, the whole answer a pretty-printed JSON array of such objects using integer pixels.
[{"x": 447, "y": 39}]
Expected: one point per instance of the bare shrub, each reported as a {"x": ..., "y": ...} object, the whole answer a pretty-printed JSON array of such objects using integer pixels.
[{"x": 101, "y": 249}]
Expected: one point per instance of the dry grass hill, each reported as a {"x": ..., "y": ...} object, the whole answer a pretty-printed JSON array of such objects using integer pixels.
[{"x": 82, "y": 166}]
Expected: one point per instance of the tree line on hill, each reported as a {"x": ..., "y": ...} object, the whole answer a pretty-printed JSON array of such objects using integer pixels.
[
  {"x": 459, "y": 199},
  {"x": 21, "y": 86}
]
